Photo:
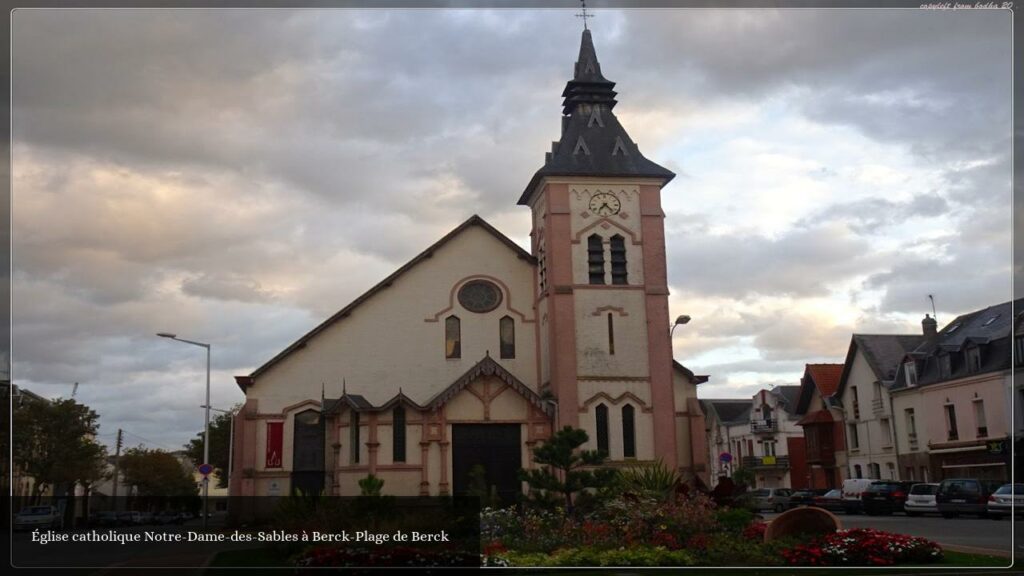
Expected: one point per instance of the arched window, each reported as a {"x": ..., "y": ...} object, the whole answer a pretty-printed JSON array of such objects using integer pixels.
[
  {"x": 452, "y": 337},
  {"x": 628, "y": 432},
  {"x": 307, "y": 442},
  {"x": 618, "y": 253},
  {"x": 507, "y": 332},
  {"x": 601, "y": 414},
  {"x": 353, "y": 438},
  {"x": 398, "y": 427},
  {"x": 595, "y": 258}
]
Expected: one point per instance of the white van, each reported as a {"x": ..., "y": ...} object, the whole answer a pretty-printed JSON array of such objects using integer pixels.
[{"x": 852, "y": 490}]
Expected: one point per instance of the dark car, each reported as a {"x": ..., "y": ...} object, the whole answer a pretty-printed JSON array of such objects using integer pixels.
[
  {"x": 885, "y": 497},
  {"x": 805, "y": 497},
  {"x": 831, "y": 501},
  {"x": 964, "y": 496}
]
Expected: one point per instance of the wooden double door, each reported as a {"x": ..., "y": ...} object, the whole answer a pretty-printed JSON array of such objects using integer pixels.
[{"x": 494, "y": 451}]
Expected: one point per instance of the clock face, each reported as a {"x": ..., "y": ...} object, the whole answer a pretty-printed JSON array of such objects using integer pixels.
[{"x": 605, "y": 204}]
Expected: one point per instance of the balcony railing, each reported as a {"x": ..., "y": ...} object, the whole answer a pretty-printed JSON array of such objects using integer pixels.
[
  {"x": 877, "y": 406},
  {"x": 766, "y": 462},
  {"x": 767, "y": 426}
]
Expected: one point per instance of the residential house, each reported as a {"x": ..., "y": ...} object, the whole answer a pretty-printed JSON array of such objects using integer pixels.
[
  {"x": 760, "y": 435},
  {"x": 863, "y": 393},
  {"x": 951, "y": 391},
  {"x": 721, "y": 417},
  {"x": 821, "y": 416},
  {"x": 778, "y": 459}
]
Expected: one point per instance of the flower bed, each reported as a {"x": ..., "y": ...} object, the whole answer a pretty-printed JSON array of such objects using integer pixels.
[
  {"x": 386, "y": 556},
  {"x": 864, "y": 547}
]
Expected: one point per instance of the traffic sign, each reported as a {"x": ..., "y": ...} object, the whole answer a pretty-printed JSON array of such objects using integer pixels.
[
  {"x": 725, "y": 457},
  {"x": 205, "y": 469}
]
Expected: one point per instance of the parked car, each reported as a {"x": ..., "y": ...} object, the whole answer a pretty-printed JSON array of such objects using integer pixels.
[
  {"x": 38, "y": 517},
  {"x": 105, "y": 519},
  {"x": 131, "y": 518},
  {"x": 884, "y": 497},
  {"x": 168, "y": 517},
  {"x": 146, "y": 518},
  {"x": 776, "y": 499},
  {"x": 964, "y": 496},
  {"x": 921, "y": 500},
  {"x": 804, "y": 497},
  {"x": 831, "y": 501},
  {"x": 853, "y": 489},
  {"x": 1007, "y": 499}
]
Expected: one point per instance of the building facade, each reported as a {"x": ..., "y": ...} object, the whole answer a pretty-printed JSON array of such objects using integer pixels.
[
  {"x": 497, "y": 346},
  {"x": 759, "y": 435},
  {"x": 950, "y": 394},
  {"x": 863, "y": 392},
  {"x": 821, "y": 417}
]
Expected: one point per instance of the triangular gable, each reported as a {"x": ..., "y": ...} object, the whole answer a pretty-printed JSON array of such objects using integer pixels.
[
  {"x": 245, "y": 381},
  {"x": 489, "y": 367}
]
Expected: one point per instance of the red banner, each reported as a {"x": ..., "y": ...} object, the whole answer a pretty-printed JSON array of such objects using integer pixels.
[{"x": 275, "y": 441}]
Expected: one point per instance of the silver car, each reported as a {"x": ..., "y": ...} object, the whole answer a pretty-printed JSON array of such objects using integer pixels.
[
  {"x": 921, "y": 500},
  {"x": 38, "y": 517},
  {"x": 776, "y": 499},
  {"x": 1007, "y": 499}
]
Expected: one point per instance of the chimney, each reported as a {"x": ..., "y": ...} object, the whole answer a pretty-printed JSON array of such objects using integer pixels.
[{"x": 929, "y": 327}]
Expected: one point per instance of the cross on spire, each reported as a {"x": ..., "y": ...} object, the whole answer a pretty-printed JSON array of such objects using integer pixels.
[{"x": 583, "y": 14}]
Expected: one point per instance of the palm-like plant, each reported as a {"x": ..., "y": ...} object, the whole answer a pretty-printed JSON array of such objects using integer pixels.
[{"x": 654, "y": 479}]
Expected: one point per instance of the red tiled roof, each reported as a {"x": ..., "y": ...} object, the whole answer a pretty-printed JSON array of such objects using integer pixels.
[{"x": 826, "y": 377}]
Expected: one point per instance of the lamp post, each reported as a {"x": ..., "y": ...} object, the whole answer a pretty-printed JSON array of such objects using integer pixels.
[
  {"x": 231, "y": 442},
  {"x": 206, "y": 427},
  {"x": 680, "y": 320}
]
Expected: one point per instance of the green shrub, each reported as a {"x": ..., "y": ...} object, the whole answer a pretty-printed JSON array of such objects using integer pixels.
[
  {"x": 586, "y": 556},
  {"x": 734, "y": 519},
  {"x": 370, "y": 486},
  {"x": 732, "y": 549}
]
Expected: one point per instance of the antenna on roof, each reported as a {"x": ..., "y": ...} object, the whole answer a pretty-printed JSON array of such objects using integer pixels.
[
  {"x": 74, "y": 390},
  {"x": 583, "y": 14},
  {"x": 934, "y": 315}
]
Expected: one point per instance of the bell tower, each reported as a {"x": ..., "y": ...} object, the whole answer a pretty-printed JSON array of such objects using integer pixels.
[{"x": 602, "y": 293}]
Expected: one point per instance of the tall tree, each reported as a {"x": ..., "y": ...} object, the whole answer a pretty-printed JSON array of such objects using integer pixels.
[
  {"x": 157, "y": 476},
  {"x": 220, "y": 442},
  {"x": 54, "y": 443},
  {"x": 568, "y": 469}
]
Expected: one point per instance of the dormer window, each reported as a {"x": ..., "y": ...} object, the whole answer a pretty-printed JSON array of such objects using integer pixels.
[
  {"x": 910, "y": 372},
  {"x": 945, "y": 366},
  {"x": 973, "y": 359}
]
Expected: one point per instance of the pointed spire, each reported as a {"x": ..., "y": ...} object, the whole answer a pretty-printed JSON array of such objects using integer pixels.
[
  {"x": 593, "y": 143},
  {"x": 588, "y": 69},
  {"x": 344, "y": 391},
  {"x": 587, "y": 84}
]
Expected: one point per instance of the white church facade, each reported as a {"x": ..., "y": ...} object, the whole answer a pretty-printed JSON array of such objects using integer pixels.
[{"x": 474, "y": 351}]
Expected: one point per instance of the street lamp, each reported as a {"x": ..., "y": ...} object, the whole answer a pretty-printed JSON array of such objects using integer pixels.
[
  {"x": 680, "y": 320},
  {"x": 206, "y": 428},
  {"x": 231, "y": 442}
]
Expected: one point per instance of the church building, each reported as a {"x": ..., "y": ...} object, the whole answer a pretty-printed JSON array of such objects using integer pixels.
[{"x": 475, "y": 350}]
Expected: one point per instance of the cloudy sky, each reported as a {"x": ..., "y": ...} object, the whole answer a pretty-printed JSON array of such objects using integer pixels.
[{"x": 189, "y": 171}]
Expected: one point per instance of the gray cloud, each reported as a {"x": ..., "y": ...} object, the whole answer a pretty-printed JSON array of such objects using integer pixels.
[
  {"x": 218, "y": 173},
  {"x": 802, "y": 262}
]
